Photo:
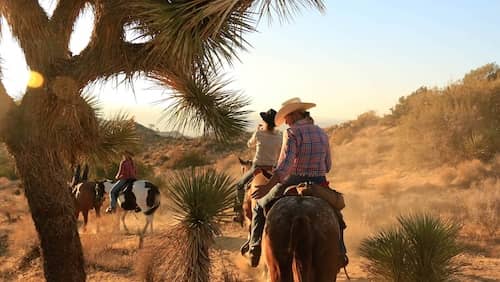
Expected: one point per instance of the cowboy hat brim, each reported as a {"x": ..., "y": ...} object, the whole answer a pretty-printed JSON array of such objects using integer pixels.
[{"x": 290, "y": 108}]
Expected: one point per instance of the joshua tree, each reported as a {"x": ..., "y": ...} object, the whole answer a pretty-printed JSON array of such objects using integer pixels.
[{"x": 184, "y": 43}]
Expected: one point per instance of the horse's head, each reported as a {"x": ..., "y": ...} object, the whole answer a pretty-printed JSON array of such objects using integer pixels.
[
  {"x": 104, "y": 186},
  {"x": 245, "y": 164},
  {"x": 99, "y": 190}
]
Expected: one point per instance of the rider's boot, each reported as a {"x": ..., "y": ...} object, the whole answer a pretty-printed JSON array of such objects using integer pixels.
[{"x": 238, "y": 206}]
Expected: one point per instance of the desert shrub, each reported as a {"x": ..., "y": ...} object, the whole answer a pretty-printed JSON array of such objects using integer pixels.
[
  {"x": 344, "y": 132},
  {"x": 458, "y": 122},
  {"x": 189, "y": 159},
  {"x": 421, "y": 248},
  {"x": 482, "y": 207}
]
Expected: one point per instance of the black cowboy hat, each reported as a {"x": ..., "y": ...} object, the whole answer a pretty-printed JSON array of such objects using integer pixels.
[{"x": 268, "y": 117}]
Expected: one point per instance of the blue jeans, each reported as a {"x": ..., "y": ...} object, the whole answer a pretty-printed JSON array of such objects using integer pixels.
[
  {"x": 115, "y": 191},
  {"x": 258, "y": 218}
]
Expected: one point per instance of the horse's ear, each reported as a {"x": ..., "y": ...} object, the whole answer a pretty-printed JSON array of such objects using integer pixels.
[{"x": 85, "y": 174}]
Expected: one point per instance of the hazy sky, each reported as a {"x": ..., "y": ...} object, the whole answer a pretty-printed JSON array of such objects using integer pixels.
[{"x": 359, "y": 56}]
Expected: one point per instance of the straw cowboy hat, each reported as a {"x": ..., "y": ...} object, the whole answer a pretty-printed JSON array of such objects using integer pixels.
[{"x": 290, "y": 106}]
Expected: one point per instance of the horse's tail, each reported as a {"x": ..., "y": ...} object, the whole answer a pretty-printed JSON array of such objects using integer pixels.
[
  {"x": 153, "y": 198},
  {"x": 300, "y": 246}
]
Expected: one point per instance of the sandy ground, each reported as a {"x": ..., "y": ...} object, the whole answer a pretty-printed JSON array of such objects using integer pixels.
[
  {"x": 367, "y": 170},
  {"x": 111, "y": 255}
]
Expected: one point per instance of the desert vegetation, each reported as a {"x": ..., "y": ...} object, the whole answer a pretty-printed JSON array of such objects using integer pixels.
[
  {"x": 420, "y": 248},
  {"x": 382, "y": 180}
]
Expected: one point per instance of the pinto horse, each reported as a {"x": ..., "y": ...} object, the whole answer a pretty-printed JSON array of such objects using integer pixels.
[
  {"x": 87, "y": 197},
  {"x": 146, "y": 197}
]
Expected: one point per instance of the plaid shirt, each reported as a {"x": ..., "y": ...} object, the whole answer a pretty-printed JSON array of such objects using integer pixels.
[{"x": 305, "y": 151}]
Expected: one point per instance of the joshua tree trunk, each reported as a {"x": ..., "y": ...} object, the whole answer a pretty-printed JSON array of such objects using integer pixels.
[
  {"x": 52, "y": 212},
  {"x": 41, "y": 168}
]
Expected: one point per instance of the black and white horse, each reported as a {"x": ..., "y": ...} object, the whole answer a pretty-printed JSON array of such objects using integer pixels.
[{"x": 147, "y": 198}]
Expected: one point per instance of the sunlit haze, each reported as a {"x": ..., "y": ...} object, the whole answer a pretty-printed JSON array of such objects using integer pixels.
[{"x": 359, "y": 56}]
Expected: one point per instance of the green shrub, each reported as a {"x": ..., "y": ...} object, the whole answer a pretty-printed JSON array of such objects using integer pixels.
[
  {"x": 421, "y": 248},
  {"x": 190, "y": 159}
]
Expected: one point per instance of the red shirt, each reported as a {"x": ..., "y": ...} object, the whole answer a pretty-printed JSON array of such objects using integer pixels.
[{"x": 127, "y": 170}]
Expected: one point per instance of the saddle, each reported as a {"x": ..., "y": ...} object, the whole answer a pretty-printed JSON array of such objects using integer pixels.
[
  {"x": 334, "y": 198},
  {"x": 265, "y": 170}
]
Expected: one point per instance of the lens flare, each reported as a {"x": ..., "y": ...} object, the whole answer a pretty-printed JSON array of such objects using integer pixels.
[{"x": 35, "y": 80}]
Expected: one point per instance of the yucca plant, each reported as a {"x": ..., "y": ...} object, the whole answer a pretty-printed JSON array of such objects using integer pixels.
[
  {"x": 421, "y": 248},
  {"x": 201, "y": 199}
]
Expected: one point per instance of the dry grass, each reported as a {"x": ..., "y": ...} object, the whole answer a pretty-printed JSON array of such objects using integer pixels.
[{"x": 161, "y": 259}]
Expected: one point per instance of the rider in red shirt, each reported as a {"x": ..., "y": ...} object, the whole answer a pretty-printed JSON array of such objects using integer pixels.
[{"x": 126, "y": 172}]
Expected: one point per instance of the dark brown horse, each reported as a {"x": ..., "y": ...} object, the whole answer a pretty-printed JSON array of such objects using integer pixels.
[
  {"x": 87, "y": 197},
  {"x": 301, "y": 241}
]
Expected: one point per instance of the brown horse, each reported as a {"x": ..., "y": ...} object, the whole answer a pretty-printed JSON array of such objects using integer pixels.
[
  {"x": 87, "y": 197},
  {"x": 301, "y": 241}
]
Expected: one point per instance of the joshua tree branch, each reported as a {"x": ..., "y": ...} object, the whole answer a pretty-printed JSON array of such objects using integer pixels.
[
  {"x": 28, "y": 22},
  {"x": 64, "y": 17}
]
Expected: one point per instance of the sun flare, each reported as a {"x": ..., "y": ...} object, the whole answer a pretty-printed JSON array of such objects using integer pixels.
[{"x": 35, "y": 79}]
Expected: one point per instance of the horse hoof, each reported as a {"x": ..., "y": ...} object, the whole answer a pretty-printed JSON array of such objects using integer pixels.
[{"x": 244, "y": 249}]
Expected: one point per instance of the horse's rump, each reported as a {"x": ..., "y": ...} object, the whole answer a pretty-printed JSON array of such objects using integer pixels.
[{"x": 303, "y": 233}]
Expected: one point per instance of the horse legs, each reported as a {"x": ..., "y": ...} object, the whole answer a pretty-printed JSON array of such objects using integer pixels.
[
  {"x": 85, "y": 219},
  {"x": 149, "y": 221},
  {"x": 278, "y": 266},
  {"x": 123, "y": 221},
  {"x": 98, "y": 218}
]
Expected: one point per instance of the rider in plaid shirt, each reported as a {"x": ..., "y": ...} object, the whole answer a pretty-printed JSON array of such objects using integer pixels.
[
  {"x": 307, "y": 140},
  {"x": 305, "y": 156}
]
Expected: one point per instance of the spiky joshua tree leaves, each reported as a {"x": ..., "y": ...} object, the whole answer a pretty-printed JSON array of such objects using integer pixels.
[
  {"x": 421, "y": 248},
  {"x": 183, "y": 44},
  {"x": 201, "y": 200}
]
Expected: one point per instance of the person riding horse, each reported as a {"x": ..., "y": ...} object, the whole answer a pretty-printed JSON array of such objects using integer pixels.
[
  {"x": 125, "y": 173},
  {"x": 267, "y": 143},
  {"x": 305, "y": 157}
]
